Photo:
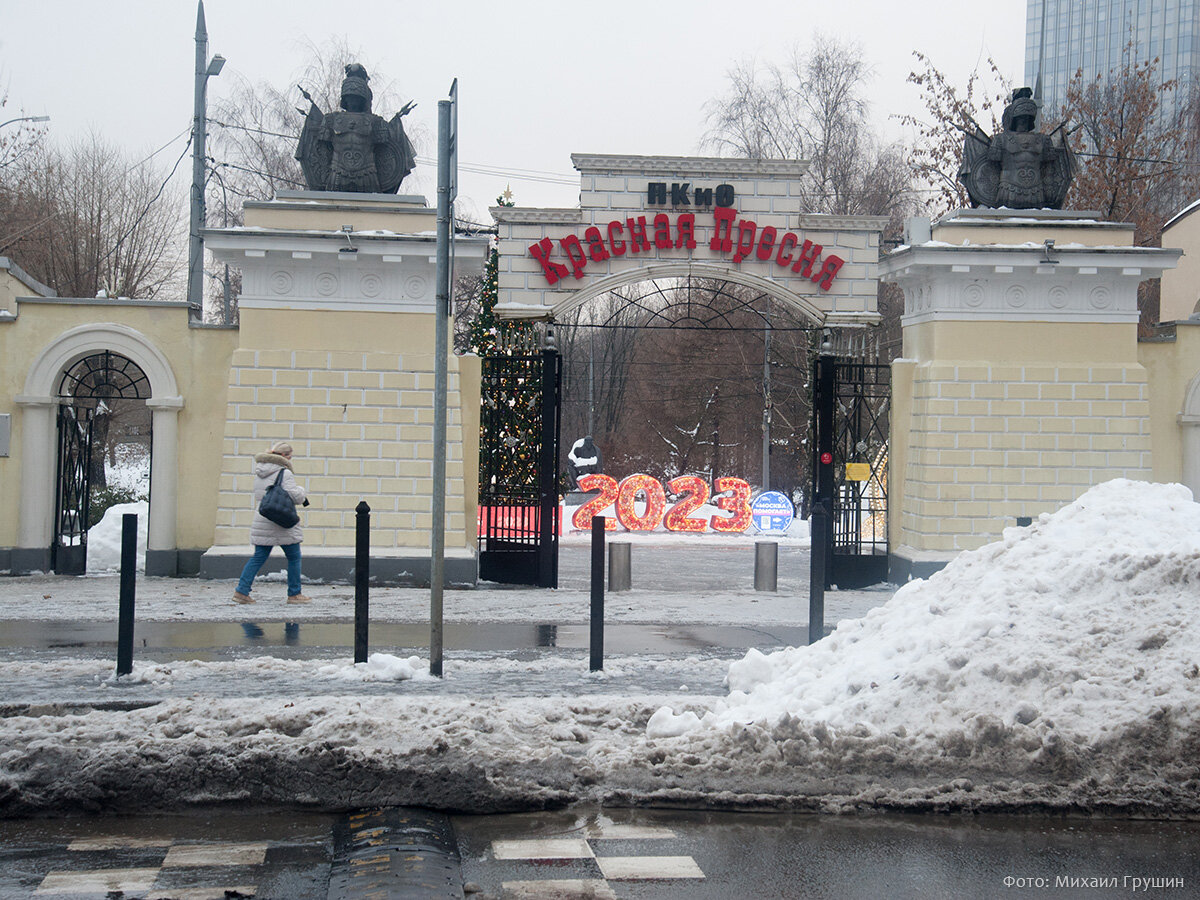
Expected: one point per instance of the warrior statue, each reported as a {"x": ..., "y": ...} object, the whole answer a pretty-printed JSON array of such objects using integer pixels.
[
  {"x": 1020, "y": 168},
  {"x": 354, "y": 149}
]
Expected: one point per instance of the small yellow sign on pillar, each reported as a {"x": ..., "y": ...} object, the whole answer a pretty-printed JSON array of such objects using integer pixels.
[{"x": 858, "y": 471}]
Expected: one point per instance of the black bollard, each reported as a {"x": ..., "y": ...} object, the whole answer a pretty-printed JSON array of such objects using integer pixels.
[
  {"x": 816, "y": 573},
  {"x": 362, "y": 573},
  {"x": 597, "y": 621},
  {"x": 125, "y": 610}
]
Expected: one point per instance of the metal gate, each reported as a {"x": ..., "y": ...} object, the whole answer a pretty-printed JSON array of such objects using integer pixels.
[
  {"x": 68, "y": 554},
  {"x": 851, "y": 405},
  {"x": 518, "y": 469},
  {"x": 100, "y": 378}
]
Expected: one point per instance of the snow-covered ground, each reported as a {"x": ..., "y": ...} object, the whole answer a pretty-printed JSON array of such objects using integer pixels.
[{"x": 1058, "y": 668}]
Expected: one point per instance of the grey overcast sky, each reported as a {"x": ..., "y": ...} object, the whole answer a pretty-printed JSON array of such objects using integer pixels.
[{"x": 538, "y": 80}]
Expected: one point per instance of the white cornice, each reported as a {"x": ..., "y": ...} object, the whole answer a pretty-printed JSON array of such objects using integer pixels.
[
  {"x": 823, "y": 222},
  {"x": 981, "y": 261},
  {"x": 517, "y": 215}
]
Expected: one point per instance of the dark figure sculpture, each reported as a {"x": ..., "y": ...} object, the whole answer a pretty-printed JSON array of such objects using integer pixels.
[
  {"x": 354, "y": 149},
  {"x": 1020, "y": 168},
  {"x": 583, "y": 459}
]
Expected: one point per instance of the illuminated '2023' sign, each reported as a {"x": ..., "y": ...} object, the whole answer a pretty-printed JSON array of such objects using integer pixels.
[{"x": 733, "y": 497}]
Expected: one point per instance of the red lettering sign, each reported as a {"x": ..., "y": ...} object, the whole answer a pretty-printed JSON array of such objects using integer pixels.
[{"x": 790, "y": 251}]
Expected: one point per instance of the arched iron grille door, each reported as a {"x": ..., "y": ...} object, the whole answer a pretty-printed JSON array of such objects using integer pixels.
[{"x": 82, "y": 388}]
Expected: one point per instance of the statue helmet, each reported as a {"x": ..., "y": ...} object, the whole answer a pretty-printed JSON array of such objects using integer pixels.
[
  {"x": 1022, "y": 104},
  {"x": 355, "y": 84}
]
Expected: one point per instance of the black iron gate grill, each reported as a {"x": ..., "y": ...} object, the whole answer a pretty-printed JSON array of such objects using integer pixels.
[
  {"x": 856, "y": 399},
  {"x": 518, "y": 478},
  {"x": 69, "y": 551}
]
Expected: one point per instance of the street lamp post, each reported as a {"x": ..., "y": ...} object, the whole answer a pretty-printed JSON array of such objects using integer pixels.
[
  {"x": 26, "y": 119},
  {"x": 205, "y": 68}
]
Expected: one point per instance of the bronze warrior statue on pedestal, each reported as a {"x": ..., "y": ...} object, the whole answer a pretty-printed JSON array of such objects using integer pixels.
[
  {"x": 353, "y": 149},
  {"x": 1020, "y": 168}
]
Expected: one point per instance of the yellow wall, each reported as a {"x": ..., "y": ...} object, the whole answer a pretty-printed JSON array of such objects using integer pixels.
[
  {"x": 353, "y": 392},
  {"x": 997, "y": 420},
  {"x": 1181, "y": 286},
  {"x": 392, "y": 215},
  {"x": 199, "y": 359},
  {"x": 1171, "y": 365},
  {"x": 1021, "y": 342}
]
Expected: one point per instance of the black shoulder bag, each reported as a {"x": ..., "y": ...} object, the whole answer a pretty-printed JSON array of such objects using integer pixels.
[{"x": 278, "y": 505}]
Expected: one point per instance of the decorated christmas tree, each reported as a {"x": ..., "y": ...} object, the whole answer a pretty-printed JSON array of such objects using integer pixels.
[{"x": 511, "y": 392}]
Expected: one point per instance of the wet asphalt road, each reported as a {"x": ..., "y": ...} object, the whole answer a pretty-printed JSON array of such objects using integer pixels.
[{"x": 620, "y": 853}]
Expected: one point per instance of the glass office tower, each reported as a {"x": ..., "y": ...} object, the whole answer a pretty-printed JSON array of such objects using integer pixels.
[{"x": 1092, "y": 34}]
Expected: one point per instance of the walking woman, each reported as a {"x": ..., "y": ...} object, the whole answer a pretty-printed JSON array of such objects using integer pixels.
[{"x": 265, "y": 534}]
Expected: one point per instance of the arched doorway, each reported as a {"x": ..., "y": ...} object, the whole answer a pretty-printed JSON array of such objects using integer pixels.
[
  {"x": 39, "y": 403},
  {"x": 92, "y": 393}
]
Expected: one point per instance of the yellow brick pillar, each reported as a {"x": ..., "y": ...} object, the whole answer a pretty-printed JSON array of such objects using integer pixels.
[
  {"x": 336, "y": 356},
  {"x": 1019, "y": 386}
]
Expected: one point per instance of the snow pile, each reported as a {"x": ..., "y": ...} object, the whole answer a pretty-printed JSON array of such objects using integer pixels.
[
  {"x": 1058, "y": 668},
  {"x": 1080, "y": 630},
  {"x": 379, "y": 667},
  {"x": 104, "y": 538}
]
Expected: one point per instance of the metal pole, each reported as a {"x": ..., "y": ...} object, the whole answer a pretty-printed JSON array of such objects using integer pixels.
[
  {"x": 548, "y": 468},
  {"x": 592, "y": 382},
  {"x": 437, "y": 539},
  {"x": 766, "y": 566},
  {"x": 597, "y": 621},
  {"x": 766, "y": 426},
  {"x": 816, "y": 574},
  {"x": 619, "y": 569},
  {"x": 362, "y": 575},
  {"x": 126, "y": 602},
  {"x": 195, "y": 289}
]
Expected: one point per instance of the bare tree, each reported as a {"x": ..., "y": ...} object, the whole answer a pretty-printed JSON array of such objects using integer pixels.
[
  {"x": 813, "y": 108},
  {"x": 1135, "y": 150},
  {"x": 936, "y": 158},
  {"x": 91, "y": 220}
]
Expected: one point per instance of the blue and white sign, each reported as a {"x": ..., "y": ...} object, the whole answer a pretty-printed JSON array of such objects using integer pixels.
[{"x": 771, "y": 511}]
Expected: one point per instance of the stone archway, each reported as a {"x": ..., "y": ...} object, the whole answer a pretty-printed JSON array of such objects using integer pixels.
[
  {"x": 643, "y": 217},
  {"x": 39, "y": 403}
]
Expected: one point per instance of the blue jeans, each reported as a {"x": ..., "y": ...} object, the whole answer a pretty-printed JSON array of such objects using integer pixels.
[{"x": 291, "y": 551}]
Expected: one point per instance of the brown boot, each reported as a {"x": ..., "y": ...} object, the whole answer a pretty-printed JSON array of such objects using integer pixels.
[
  {"x": 299, "y": 598},
  {"x": 239, "y": 597}
]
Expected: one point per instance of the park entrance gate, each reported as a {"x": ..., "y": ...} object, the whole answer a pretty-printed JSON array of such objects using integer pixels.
[
  {"x": 518, "y": 471},
  {"x": 851, "y": 406}
]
